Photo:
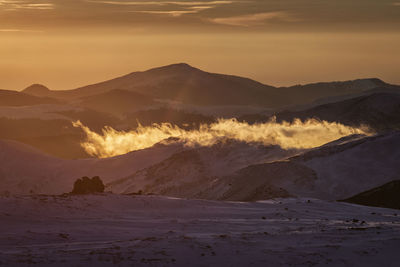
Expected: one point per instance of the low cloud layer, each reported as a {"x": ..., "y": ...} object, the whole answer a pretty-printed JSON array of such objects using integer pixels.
[{"x": 297, "y": 135}]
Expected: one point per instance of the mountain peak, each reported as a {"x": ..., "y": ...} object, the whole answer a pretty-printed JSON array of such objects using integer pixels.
[
  {"x": 37, "y": 90},
  {"x": 374, "y": 81},
  {"x": 179, "y": 65},
  {"x": 175, "y": 67}
]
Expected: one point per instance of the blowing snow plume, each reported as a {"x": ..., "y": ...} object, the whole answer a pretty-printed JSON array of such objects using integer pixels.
[{"x": 295, "y": 135}]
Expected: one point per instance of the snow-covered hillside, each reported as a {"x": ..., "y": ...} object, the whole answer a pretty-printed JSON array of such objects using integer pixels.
[
  {"x": 334, "y": 171},
  {"x": 371, "y": 162},
  {"x": 191, "y": 173},
  {"x": 229, "y": 170}
]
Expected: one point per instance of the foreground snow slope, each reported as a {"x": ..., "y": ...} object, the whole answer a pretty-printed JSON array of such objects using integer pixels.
[{"x": 104, "y": 230}]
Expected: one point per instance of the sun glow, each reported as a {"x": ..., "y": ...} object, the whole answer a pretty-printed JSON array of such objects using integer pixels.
[{"x": 297, "y": 135}]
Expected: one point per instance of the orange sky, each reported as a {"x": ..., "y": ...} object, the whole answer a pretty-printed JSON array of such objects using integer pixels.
[{"x": 66, "y": 44}]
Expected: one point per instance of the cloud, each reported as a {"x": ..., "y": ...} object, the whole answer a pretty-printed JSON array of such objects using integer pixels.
[
  {"x": 17, "y": 30},
  {"x": 10, "y": 30},
  {"x": 201, "y": 7},
  {"x": 253, "y": 19},
  {"x": 173, "y": 13},
  {"x": 11, "y": 5},
  {"x": 176, "y": 13}
]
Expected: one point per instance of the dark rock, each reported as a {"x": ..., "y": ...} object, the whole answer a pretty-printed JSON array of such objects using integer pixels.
[{"x": 85, "y": 185}]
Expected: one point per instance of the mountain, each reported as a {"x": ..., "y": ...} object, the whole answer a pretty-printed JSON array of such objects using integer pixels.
[
  {"x": 14, "y": 99},
  {"x": 186, "y": 84},
  {"x": 379, "y": 111},
  {"x": 385, "y": 196}
]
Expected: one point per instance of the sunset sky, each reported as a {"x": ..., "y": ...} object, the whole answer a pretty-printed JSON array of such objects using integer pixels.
[{"x": 69, "y": 43}]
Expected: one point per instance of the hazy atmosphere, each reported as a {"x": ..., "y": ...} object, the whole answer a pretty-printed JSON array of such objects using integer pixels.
[
  {"x": 200, "y": 133},
  {"x": 66, "y": 44}
]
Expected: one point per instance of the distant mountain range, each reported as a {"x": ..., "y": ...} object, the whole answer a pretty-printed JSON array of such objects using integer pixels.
[{"x": 189, "y": 85}]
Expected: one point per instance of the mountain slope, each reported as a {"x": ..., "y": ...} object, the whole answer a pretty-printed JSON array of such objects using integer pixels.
[
  {"x": 183, "y": 119},
  {"x": 381, "y": 111},
  {"x": 302, "y": 94},
  {"x": 116, "y": 101}
]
